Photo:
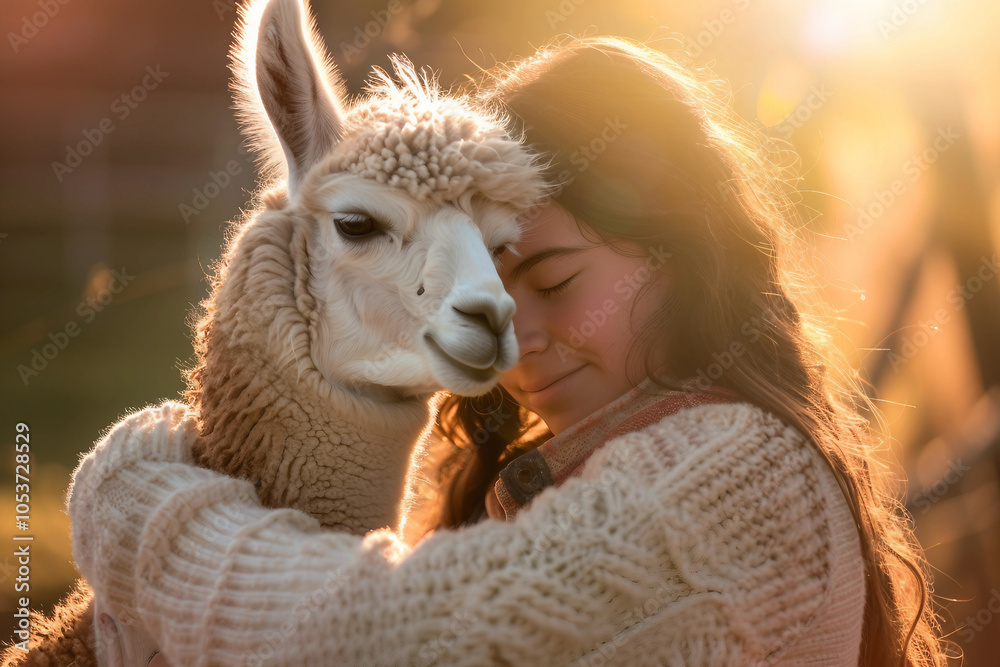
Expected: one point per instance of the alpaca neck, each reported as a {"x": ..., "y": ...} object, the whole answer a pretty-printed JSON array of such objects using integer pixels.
[
  {"x": 340, "y": 458},
  {"x": 269, "y": 416}
]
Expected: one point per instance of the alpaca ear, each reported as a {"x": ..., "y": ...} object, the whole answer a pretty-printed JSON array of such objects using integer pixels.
[{"x": 295, "y": 84}]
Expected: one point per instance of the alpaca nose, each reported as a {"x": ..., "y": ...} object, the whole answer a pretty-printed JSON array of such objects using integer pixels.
[{"x": 492, "y": 312}]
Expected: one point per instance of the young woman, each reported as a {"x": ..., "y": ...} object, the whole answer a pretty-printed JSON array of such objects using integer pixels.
[{"x": 674, "y": 473}]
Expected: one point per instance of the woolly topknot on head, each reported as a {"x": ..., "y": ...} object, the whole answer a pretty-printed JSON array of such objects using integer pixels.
[{"x": 405, "y": 133}]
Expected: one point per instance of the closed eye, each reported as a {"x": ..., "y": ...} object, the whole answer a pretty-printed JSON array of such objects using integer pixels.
[{"x": 558, "y": 289}]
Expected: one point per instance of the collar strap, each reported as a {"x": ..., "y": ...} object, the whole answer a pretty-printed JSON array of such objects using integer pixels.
[{"x": 563, "y": 456}]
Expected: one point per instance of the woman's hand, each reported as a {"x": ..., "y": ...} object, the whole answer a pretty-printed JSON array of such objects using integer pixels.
[{"x": 121, "y": 644}]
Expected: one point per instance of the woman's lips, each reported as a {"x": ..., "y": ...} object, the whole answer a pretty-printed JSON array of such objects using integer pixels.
[{"x": 546, "y": 386}]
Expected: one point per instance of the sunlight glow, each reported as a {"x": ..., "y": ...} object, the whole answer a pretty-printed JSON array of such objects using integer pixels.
[
  {"x": 831, "y": 26},
  {"x": 782, "y": 89}
]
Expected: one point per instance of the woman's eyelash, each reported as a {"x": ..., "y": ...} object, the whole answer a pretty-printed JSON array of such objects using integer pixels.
[{"x": 558, "y": 289}]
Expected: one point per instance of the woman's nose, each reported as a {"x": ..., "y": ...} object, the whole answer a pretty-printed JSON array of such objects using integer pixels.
[{"x": 529, "y": 328}]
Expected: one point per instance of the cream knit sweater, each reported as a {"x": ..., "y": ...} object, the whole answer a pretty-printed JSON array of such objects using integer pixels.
[{"x": 717, "y": 536}]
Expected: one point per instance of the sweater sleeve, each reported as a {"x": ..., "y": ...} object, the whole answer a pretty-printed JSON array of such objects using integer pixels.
[{"x": 704, "y": 525}]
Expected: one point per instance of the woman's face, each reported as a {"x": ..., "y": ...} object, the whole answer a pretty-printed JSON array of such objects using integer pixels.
[{"x": 577, "y": 315}]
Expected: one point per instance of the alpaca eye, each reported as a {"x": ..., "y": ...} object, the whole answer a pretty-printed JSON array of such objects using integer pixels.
[
  {"x": 354, "y": 224},
  {"x": 499, "y": 250}
]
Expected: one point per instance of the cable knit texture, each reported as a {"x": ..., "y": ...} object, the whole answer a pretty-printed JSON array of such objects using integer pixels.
[{"x": 715, "y": 536}]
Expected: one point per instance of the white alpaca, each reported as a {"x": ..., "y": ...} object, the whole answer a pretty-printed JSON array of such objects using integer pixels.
[
  {"x": 356, "y": 291},
  {"x": 361, "y": 290}
]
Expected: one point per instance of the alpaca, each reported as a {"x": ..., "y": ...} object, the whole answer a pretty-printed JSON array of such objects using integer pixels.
[{"x": 364, "y": 285}]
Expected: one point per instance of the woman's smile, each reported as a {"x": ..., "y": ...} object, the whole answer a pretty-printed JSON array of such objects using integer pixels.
[{"x": 547, "y": 392}]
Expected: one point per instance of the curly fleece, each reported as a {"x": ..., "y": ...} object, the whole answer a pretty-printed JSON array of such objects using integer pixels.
[{"x": 410, "y": 137}]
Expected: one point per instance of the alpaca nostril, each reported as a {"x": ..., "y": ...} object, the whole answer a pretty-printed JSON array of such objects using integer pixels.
[
  {"x": 487, "y": 313},
  {"x": 481, "y": 318},
  {"x": 493, "y": 313}
]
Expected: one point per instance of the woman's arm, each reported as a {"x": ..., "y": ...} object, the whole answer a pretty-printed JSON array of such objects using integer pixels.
[{"x": 696, "y": 526}]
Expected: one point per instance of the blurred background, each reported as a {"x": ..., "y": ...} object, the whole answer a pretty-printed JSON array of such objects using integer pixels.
[{"x": 121, "y": 162}]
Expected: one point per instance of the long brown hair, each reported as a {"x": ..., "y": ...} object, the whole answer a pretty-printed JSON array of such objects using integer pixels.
[{"x": 646, "y": 150}]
